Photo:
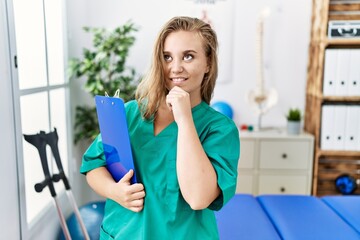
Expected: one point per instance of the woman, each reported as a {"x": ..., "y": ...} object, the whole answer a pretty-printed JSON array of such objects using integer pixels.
[{"x": 185, "y": 153}]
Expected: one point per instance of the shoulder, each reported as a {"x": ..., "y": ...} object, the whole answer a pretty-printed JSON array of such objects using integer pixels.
[
  {"x": 131, "y": 104},
  {"x": 214, "y": 119},
  {"x": 131, "y": 107}
]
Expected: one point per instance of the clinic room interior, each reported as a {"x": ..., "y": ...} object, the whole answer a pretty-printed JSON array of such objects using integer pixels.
[{"x": 288, "y": 77}]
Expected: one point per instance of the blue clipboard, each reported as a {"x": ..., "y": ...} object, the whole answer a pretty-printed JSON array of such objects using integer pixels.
[{"x": 115, "y": 136}]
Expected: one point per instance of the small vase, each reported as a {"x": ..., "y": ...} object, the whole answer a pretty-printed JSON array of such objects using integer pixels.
[{"x": 293, "y": 127}]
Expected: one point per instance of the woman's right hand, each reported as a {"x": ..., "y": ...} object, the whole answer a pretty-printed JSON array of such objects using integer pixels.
[{"x": 130, "y": 196}]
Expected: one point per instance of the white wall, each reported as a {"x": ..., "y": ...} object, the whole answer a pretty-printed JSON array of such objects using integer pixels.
[
  {"x": 286, "y": 40},
  {"x": 287, "y": 33}
]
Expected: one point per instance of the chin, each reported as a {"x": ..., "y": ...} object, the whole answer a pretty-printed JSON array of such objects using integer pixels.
[{"x": 173, "y": 84}]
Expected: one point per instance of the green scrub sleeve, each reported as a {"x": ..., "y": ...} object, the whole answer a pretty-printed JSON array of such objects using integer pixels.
[
  {"x": 93, "y": 157},
  {"x": 223, "y": 149}
]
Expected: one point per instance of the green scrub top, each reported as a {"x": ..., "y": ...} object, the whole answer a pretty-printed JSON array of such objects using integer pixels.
[{"x": 166, "y": 215}]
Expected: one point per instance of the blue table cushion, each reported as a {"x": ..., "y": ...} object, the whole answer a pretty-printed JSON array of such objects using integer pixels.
[
  {"x": 243, "y": 218},
  {"x": 298, "y": 217},
  {"x": 347, "y": 207}
]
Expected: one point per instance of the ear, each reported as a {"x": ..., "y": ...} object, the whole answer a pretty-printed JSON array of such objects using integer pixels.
[
  {"x": 207, "y": 69},
  {"x": 208, "y": 64}
]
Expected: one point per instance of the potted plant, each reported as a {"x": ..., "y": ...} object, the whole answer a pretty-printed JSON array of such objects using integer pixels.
[
  {"x": 293, "y": 121},
  {"x": 104, "y": 69}
]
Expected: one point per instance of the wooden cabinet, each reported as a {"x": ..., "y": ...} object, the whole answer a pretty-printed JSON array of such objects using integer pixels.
[
  {"x": 328, "y": 164},
  {"x": 273, "y": 162}
]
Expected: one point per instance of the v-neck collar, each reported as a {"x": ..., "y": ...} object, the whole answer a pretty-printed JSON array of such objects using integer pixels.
[{"x": 171, "y": 125}]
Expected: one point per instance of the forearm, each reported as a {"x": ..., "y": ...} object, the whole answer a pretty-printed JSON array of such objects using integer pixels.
[
  {"x": 101, "y": 181},
  {"x": 130, "y": 196},
  {"x": 196, "y": 175}
]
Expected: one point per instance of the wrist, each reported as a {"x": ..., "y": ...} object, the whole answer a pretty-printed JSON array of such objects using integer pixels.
[
  {"x": 185, "y": 121},
  {"x": 109, "y": 190}
]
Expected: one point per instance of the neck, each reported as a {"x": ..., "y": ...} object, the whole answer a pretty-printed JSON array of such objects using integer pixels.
[{"x": 195, "y": 100}]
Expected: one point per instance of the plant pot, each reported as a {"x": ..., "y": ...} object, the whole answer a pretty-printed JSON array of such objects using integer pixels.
[{"x": 293, "y": 127}]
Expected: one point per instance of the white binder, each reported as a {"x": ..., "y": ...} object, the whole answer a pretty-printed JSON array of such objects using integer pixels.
[
  {"x": 358, "y": 129},
  {"x": 330, "y": 72},
  {"x": 327, "y": 126},
  {"x": 339, "y": 127},
  {"x": 354, "y": 73},
  {"x": 342, "y": 72},
  {"x": 351, "y": 127}
]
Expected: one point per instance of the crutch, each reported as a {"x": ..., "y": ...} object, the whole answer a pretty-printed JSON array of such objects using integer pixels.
[
  {"x": 40, "y": 144},
  {"x": 52, "y": 139}
]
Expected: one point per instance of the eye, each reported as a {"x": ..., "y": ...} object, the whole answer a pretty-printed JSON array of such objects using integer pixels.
[
  {"x": 167, "y": 58},
  {"x": 188, "y": 57}
]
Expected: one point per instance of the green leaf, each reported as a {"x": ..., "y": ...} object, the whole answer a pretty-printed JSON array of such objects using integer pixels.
[{"x": 104, "y": 68}]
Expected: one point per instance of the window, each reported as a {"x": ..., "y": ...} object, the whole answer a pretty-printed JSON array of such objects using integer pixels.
[{"x": 42, "y": 90}]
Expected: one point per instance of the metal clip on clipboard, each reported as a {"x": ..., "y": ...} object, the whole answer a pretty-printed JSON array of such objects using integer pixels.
[
  {"x": 116, "y": 95},
  {"x": 115, "y": 136}
]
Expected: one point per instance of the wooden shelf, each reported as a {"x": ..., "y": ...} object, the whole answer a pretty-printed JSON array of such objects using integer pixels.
[
  {"x": 342, "y": 42},
  {"x": 328, "y": 165},
  {"x": 344, "y": 7},
  {"x": 344, "y": 11},
  {"x": 341, "y": 16},
  {"x": 355, "y": 99},
  {"x": 323, "y": 153}
]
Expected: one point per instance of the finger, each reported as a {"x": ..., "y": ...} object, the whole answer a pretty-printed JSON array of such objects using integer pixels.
[
  {"x": 137, "y": 203},
  {"x": 137, "y": 187},
  {"x": 168, "y": 102},
  {"x": 177, "y": 90},
  {"x": 127, "y": 177},
  {"x": 138, "y": 195},
  {"x": 136, "y": 209}
]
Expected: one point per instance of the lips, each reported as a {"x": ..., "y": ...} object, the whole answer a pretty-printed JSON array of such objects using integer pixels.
[{"x": 178, "y": 79}]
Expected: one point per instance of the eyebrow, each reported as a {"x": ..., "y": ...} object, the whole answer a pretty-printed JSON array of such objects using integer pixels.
[{"x": 184, "y": 52}]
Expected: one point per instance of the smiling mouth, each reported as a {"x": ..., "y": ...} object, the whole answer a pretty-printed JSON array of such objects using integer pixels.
[{"x": 178, "y": 80}]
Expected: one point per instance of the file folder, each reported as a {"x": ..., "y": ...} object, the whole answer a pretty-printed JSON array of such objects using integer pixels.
[
  {"x": 354, "y": 73},
  {"x": 339, "y": 127},
  {"x": 330, "y": 70},
  {"x": 327, "y": 127},
  {"x": 358, "y": 129},
  {"x": 351, "y": 128},
  {"x": 115, "y": 136},
  {"x": 342, "y": 72}
]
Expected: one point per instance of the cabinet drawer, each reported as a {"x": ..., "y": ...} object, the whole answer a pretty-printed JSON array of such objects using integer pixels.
[
  {"x": 284, "y": 154},
  {"x": 247, "y": 154},
  {"x": 283, "y": 184},
  {"x": 244, "y": 184}
]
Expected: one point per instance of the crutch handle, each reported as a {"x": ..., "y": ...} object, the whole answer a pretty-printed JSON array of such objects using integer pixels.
[
  {"x": 41, "y": 185},
  {"x": 56, "y": 177},
  {"x": 52, "y": 139},
  {"x": 40, "y": 144}
]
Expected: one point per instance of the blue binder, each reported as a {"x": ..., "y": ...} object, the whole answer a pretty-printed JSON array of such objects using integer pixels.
[{"x": 115, "y": 136}]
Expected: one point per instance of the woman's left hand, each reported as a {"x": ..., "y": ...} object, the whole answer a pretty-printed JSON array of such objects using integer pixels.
[{"x": 178, "y": 102}]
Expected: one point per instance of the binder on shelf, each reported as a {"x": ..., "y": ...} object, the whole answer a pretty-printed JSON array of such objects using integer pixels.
[
  {"x": 339, "y": 127},
  {"x": 351, "y": 127},
  {"x": 330, "y": 72},
  {"x": 327, "y": 126},
  {"x": 342, "y": 72},
  {"x": 358, "y": 129},
  {"x": 344, "y": 29},
  {"x": 354, "y": 73},
  {"x": 115, "y": 136}
]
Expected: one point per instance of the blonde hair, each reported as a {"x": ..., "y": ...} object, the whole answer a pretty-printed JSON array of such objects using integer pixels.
[{"x": 152, "y": 90}]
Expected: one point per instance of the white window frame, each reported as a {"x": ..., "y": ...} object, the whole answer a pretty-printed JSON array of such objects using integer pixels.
[{"x": 46, "y": 224}]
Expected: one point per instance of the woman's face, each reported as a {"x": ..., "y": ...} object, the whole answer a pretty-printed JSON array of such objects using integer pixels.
[{"x": 185, "y": 63}]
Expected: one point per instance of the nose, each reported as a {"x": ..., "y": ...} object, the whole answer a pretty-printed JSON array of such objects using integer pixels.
[{"x": 176, "y": 66}]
